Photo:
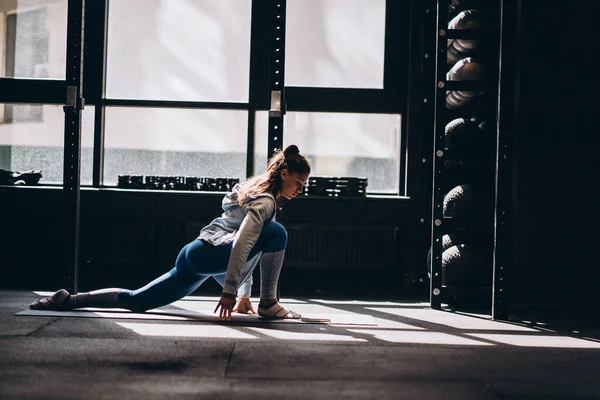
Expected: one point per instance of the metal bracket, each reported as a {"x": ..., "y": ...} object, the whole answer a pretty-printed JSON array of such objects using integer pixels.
[
  {"x": 277, "y": 108},
  {"x": 73, "y": 102},
  {"x": 71, "y": 96}
]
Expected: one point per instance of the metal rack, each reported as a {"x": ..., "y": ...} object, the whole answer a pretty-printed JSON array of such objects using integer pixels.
[
  {"x": 72, "y": 154},
  {"x": 496, "y": 108},
  {"x": 276, "y": 78},
  {"x": 505, "y": 160}
]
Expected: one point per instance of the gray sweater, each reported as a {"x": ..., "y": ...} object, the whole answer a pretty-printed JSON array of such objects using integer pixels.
[{"x": 241, "y": 225}]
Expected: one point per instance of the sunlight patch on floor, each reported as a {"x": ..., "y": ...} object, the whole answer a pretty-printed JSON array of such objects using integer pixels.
[
  {"x": 214, "y": 299},
  {"x": 369, "y": 303},
  {"x": 452, "y": 320},
  {"x": 254, "y": 300},
  {"x": 545, "y": 341},
  {"x": 383, "y": 323},
  {"x": 174, "y": 330},
  {"x": 316, "y": 311},
  {"x": 287, "y": 335},
  {"x": 419, "y": 337}
]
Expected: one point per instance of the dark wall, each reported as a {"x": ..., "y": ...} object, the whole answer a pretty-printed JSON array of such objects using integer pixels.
[
  {"x": 128, "y": 238},
  {"x": 557, "y": 176}
]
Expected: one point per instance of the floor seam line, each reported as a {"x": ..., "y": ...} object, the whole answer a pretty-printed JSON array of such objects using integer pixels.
[
  {"x": 42, "y": 327},
  {"x": 229, "y": 360}
]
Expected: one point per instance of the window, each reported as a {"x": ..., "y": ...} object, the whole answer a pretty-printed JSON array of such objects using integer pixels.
[
  {"x": 335, "y": 43},
  {"x": 181, "y": 142},
  {"x": 179, "y": 50},
  {"x": 31, "y": 142},
  {"x": 33, "y": 39},
  {"x": 344, "y": 144},
  {"x": 261, "y": 140}
]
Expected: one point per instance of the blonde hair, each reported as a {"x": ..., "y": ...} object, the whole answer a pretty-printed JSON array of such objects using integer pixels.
[{"x": 270, "y": 180}]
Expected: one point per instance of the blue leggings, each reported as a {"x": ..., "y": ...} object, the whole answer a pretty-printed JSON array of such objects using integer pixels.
[{"x": 197, "y": 262}]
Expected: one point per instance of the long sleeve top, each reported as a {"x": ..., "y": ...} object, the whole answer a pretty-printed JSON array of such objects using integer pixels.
[{"x": 242, "y": 225}]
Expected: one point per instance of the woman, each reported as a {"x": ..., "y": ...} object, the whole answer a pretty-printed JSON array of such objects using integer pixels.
[{"x": 227, "y": 249}]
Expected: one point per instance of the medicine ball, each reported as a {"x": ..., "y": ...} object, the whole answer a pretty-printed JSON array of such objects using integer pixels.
[
  {"x": 459, "y": 48},
  {"x": 448, "y": 240},
  {"x": 458, "y": 202},
  {"x": 467, "y": 153},
  {"x": 463, "y": 137},
  {"x": 466, "y": 69},
  {"x": 464, "y": 266}
]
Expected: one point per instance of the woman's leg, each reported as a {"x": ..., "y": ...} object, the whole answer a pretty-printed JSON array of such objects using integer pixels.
[
  {"x": 166, "y": 289},
  {"x": 173, "y": 285},
  {"x": 196, "y": 262},
  {"x": 272, "y": 242}
]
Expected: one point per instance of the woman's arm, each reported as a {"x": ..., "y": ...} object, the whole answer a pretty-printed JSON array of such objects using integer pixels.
[{"x": 258, "y": 212}]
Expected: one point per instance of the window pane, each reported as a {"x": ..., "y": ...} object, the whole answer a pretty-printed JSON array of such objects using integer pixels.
[
  {"x": 32, "y": 138},
  {"x": 174, "y": 142},
  {"x": 33, "y": 38},
  {"x": 359, "y": 145},
  {"x": 188, "y": 50},
  {"x": 335, "y": 43},
  {"x": 261, "y": 131}
]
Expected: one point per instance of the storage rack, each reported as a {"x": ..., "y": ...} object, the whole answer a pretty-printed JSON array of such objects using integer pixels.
[
  {"x": 72, "y": 154},
  {"x": 277, "y": 79},
  {"x": 493, "y": 186}
]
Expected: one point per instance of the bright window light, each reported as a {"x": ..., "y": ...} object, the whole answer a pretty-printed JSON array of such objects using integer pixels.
[
  {"x": 335, "y": 43},
  {"x": 342, "y": 144},
  {"x": 179, "y": 142},
  {"x": 32, "y": 137},
  {"x": 179, "y": 50},
  {"x": 33, "y": 39}
]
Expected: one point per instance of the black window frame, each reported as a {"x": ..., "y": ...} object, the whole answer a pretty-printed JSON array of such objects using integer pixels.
[{"x": 393, "y": 98}]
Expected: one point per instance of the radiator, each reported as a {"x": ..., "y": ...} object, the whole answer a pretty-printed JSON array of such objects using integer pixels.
[
  {"x": 313, "y": 245},
  {"x": 317, "y": 245}
]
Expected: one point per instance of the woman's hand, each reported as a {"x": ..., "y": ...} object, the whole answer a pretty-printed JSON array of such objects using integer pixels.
[
  {"x": 226, "y": 304},
  {"x": 244, "y": 306}
]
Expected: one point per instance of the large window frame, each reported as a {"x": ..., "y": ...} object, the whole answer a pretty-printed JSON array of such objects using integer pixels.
[{"x": 393, "y": 98}]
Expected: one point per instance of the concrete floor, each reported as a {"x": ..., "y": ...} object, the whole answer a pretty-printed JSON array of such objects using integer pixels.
[{"x": 414, "y": 352}]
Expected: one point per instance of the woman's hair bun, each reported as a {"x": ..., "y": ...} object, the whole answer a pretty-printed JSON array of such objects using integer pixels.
[{"x": 291, "y": 150}]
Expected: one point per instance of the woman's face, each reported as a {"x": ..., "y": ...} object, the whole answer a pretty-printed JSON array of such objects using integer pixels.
[{"x": 292, "y": 184}]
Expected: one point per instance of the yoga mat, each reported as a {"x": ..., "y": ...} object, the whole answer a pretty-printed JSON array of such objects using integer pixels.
[{"x": 176, "y": 314}]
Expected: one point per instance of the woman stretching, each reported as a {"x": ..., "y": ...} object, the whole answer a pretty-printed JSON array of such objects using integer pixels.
[{"x": 227, "y": 249}]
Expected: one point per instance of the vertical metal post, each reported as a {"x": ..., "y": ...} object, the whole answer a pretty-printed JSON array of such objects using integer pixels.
[
  {"x": 276, "y": 79},
  {"x": 101, "y": 41},
  {"x": 250, "y": 146},
  {"x": 259, "y": 30},
  {"x": 428, "y": 46},
  {"x": 437, "y": 220},
  {"x": 72, "y": 151},
  {"x": 506, "y": 125}
]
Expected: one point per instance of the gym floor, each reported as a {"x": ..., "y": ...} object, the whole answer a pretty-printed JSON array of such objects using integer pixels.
[{"x": 413, "y": 352}]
